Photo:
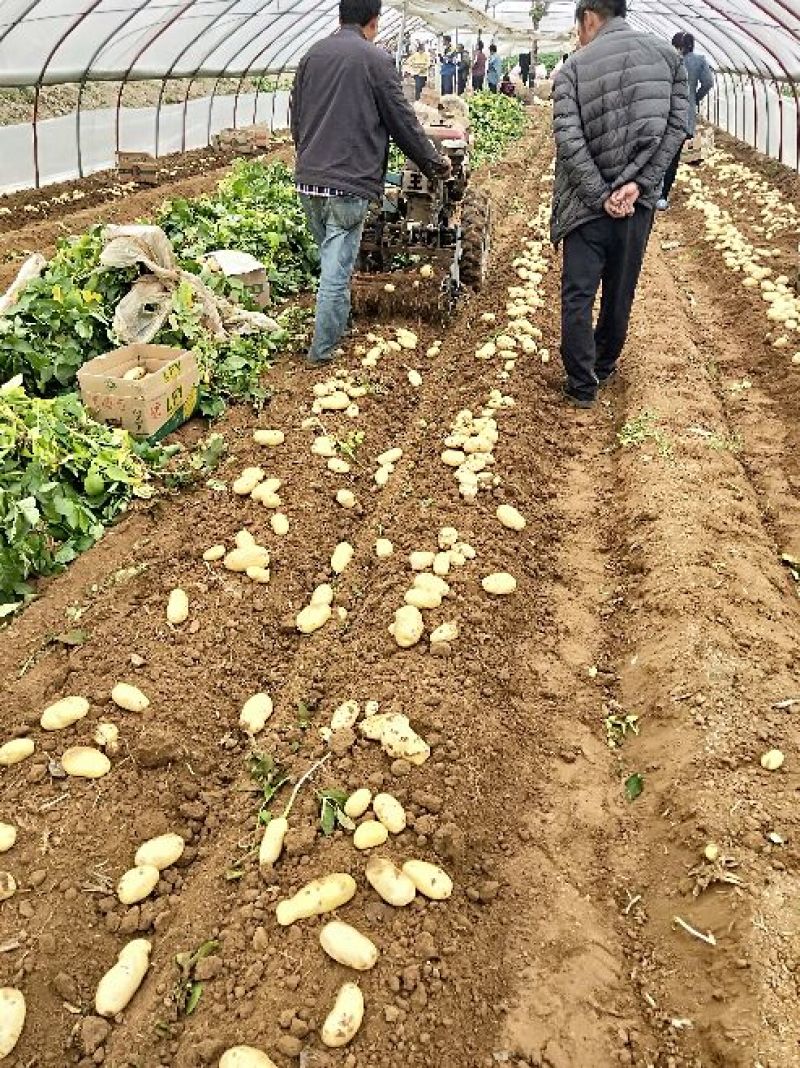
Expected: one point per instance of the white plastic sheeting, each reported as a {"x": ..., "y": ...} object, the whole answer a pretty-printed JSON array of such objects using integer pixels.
[
  {"x": 51, "y": 41},
  {"x": 58, "y": 146},
  {"x": 754, "y": 45}
]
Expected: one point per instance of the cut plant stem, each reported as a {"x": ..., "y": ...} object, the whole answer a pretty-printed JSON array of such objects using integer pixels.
[
  {"x": 303, "y": 779},
  {"x": 709, "y": 939}
]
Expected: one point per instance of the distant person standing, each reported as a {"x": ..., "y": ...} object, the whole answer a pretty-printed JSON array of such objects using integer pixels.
[
  {"x": 494, "y": 69},
  {"x": 464, "y": 68},
  {"x": 478, "y": 68},
  {"x": 449, "y": 67},
  {"x": 620, "y": 109},
  {"x": 701, "y": 82},
  {"x": 525, "y": 67},
  {"x": 418, "y": 65}
]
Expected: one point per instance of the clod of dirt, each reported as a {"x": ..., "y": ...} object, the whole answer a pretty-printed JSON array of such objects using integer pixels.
[
  {"x": 157, "y": 751},
  {"x": 289, "y": 1046},
  {"x": 94, "y": 1032}
]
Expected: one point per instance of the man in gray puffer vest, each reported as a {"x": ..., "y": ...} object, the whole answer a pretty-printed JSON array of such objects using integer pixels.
[{"x": 620, "y": 112}]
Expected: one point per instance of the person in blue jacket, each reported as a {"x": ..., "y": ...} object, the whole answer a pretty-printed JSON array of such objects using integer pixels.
[
  {"x": 449, "y": 61},
  {"x": 494, "y": 71},
  {"x": 701, "y": 82}
]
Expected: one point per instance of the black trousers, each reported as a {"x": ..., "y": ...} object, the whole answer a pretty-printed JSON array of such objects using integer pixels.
[
  {"x": 672, "y": 174},
  {"x": 607, "y": 252}
]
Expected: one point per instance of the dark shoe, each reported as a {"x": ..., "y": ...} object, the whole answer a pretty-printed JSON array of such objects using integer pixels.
[
  {"x": 607, "y": 380},
  {"x": 578, "y": 402}
]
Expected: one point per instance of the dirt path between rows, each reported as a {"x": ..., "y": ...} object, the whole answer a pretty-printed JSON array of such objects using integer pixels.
[{"x": 650, "y": 585}]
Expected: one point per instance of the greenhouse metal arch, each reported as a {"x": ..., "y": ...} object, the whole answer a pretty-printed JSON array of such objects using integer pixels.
[{"x": 754, "y": 46}]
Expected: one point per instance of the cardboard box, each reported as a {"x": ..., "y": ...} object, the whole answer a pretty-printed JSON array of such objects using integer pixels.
[
  {"x": 243, "y": 140},
  {"x": 150, "y": 407},
  {"x": 244, "y": 268},
  {"x": 138, "y": 167}
]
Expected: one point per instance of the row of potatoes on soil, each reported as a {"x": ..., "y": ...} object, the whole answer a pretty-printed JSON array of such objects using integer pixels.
[{"x": 471, "y": 443}]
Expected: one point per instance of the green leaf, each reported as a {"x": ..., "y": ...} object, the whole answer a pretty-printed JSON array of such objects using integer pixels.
[
  {"x": 634, "y": 785},
  {"x": 328, "y": 817},
  {"x": 71, "y": 637},
  {"x": 193, "y": 1000}
]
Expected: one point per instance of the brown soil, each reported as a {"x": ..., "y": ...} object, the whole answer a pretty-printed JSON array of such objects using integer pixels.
[
  {"x": 650, "y": 584},
  {"x": 16, "y": 105},
  {"x": 36, "y": 219}
]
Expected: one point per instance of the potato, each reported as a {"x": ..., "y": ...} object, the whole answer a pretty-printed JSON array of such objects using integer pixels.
[
  {"x": 369, "y": 835},
  {"x": 398, "y": 739},
  {"x": 772, "y": 760},
  {"x": 414, "y": 378},
  {"x": 338, "y": 466},
  {"x": 130, "y": 698},
  {"x": 342, "y": 555},
  {"x": 247, "y": 481},
  {"x": 8, "y": 885},
  {"x": 383, "y": 548},
  {"x": 393, "y": 885},
  {"x": 177, "y": 607},
  {"x": 138, "y": 883},
  {"x": 429, "y": 879},
  {"x": 12, "y": 1019},
  {"x": 391, "y": 456},
  {"x": 420, "y": 561},
  {"x": 270, "y": 438},
  {"x": 453, "y": 457},
  {"x": 280, "y": 524},
  {"x": 272, "y": 841},
  {"x": 423, "y": 580},
  {"x": 499, "y": 584},
  {"x": 346, "y": 498},
  {"x": 390, "y": 812},
  {"x": 317, "y": 897},
  {"x": 448, "y": 537},
  {"x": 255, "y": 713},
  {"x": 120, "y": 983},
  {"x": 345, "y": 716},
  {"x": 324, "y": 446},
  {"x": 334, "y": 402},
  {"x": 15, "y": 751},
  {"x": 344, "y": 1019},
  {"x": 83, "y": 762},
  {"x": 382, "y": 476},
  {"x": 216, "y": 552},
  {"x": 106, "y": 735},
  {"x": 161, "y": 852},
  {"x": 313, "y": 617},
  {"x": 64, "y": 713},
  {"x": 240, "y": 559},
  {"x": 447, "y": 632},
  {"x": 441, "y": 564},
  {"x": 323, "y": 594},
  {"x": 406, "y": 339},
  {"x": 358, "y": 803},
  {"x": 510, "y": 517},
  {"x": 408, "y": 626},
  {"x": 245, "y": 1057},
  {"x": 8, "y": 836},
  {"x": 348, "y": 946},
  {"x": 422, "y": 597},
  {"x": 267, "y": 493},
  {"x": 260, "y": 575}
]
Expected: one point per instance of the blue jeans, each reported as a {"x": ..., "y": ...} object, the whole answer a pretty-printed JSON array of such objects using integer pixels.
[
  {"x": 448, "y": 81},
  {"x": 336, "y": 224}
]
